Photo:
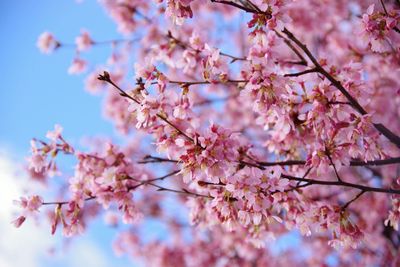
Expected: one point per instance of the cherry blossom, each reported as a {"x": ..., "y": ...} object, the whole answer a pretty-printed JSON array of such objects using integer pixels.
[
  {"x": 254, "y": 120},
  {"x": 30, "y": 206},
  {"x": 47, "y": 43},
  {"x": 84, "y": 41},
  {"x": 78, "y": 66}
]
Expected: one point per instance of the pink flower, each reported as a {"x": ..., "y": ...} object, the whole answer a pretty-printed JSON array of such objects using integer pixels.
[
  {"x": 78, "y": 66},
  {"x": 348, "y": 235},
  {"x": 146, "y": 72},
  {"x": 108, "y": 177},
  {"x": 37, "y": 162},
  {"x": 92, "y": 84},
  {"x": 19, "y": 221},
  {"x": 73, "y": 229},
  {"x": 56, "y": 134},
  {"x": 123, "y": 14},
  {"x": 47, "y": 43},
  {"x": 84, "y": 41},
  {"x": 376, "y": 27},
  {"x": 30, "y": 206},
  {"x": 111, "y": 218},
  {"x": 196, "y": 42},
  {"x": 178, "y": 10},
  {"x": 394, "y": 215}
]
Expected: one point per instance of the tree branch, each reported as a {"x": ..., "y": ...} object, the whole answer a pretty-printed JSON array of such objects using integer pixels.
[
  {"x": 355, "y": 162},
  {"x": 229, "y": 3},
  {"x": 300, "y": 73},
  {"x": 344, "y": 184},
  {"x": 352, "y": 200},
  {"x": 395, "y": 139},
  {"x": 334, "y": 167},
  {"x": 302, "y": 61},
  {"x": 106, "y": 77}
]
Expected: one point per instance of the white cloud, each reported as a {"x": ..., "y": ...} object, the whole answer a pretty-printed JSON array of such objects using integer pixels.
[{"x": 24, "y": 246}]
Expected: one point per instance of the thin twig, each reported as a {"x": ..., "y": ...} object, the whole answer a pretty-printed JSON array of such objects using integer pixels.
[
  {"x": 106, "y": 77},
  {"x": 185, "y": 45},
  {"x": 334, "y": 167},
  {"x": 302, "y": 61},
  {"x": 249, "y": 10},
  {"x": 153, "y": 159},
  {"x": 352, "y": 200},
  {"x": 301, "y": 73}
]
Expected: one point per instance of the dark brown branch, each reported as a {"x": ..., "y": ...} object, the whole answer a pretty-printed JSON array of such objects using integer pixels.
[
  {"x": 354, "y": 162},
  {"x": 338, "y": 103},
  {"x": 378, "y": 162},
  {"x": 106, "y": 78},
  {"x": 281, "y": 163},
  {"x": 334, "y": 167},
  {"x": 175, "y": 127},
  {"x": 258, "y": 164},
  {"x": 298, "y": 186},
  {"x": 152, "y": 159},
  {"x": 229, "y": 3},
  {"x": 204, "y": 183},
  {"x": 352, "y": 200},
  {"x": 248, "y": 2},
  {"x": 183, "y": 191},
  {"x": 395, "y": 139},
  {"x": 309, "y": 182},
  {"x": 63, "y": 202},
  {"x": 205, "y": 82},
  {"x": 344, "y": 184},
  {"x": 302, "y": 61},
  {"x": 233, "y": 58},
  {"x": 301, "y": 73},
  {"x": 164, "y": 176},
  {"x": 162, "y": 188},
  {"x": 305, "y": 175}
]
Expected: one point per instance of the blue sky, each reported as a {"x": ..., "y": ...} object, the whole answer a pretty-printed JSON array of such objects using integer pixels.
[{"x": 35, "y": 93}]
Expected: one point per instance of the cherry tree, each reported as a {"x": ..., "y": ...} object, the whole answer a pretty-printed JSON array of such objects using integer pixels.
[{"x": 257, "y": 119}]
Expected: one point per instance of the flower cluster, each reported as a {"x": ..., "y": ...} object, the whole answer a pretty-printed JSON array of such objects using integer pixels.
[
  {"x": 30, "y": 206},
  {"x": 178, "y": 10},
  {"x": 377, "y": 25},
  {"x": 42, "y": 151},
  {"x": 47, "y": 43}
]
